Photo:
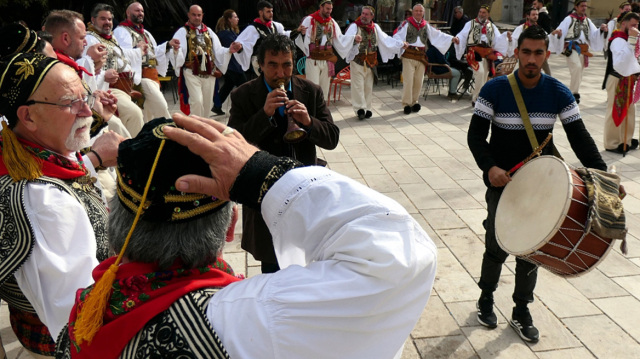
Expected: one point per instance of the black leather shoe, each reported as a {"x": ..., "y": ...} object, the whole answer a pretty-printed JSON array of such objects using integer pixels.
[
  {"x": 634, "y": 144},
  {"x": 407, "y": 110},
  {"x": 360, "y": 114},
  {"x": 217, "y": 110},
  {"x": 368, "y": 114},
  {"x": 416, "y": 107},
  {"x": 577, "y": 97}
]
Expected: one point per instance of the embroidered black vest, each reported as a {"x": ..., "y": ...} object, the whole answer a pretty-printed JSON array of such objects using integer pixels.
[
  {"x": 475, "y": 33},
  {"x": 576, "y": 27},
  {"x": 202, "y": 40},
  {"x": 113, "y": 54},
  {"x": 136, "y": 37},
  {"x": 413, "y": 34},
  {"x": 369, "y": 42},
  {"x": 182, "y": 331},
  {"x": 263, "y": 31},
  {"x": 322, "y": 29},
  {"x": 17, "y": 234}
]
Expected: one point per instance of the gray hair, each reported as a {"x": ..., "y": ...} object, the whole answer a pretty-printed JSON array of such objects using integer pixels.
[
  {"x": 196, "y": 243},
  {"x": 458, "y": 9},
  {"x": 101, "y": 7}
]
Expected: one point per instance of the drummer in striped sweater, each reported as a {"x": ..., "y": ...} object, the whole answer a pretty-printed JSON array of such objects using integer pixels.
[{"x": 545, "y": 99}]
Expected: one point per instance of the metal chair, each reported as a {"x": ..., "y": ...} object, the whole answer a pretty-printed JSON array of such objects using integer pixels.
[
  {"x": 301, "y": 64},
  {"x": 435, "y": 80}
]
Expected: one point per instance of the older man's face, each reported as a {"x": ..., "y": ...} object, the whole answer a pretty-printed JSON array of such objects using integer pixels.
[
  {"x": 458, "y": 14},
  {"x": 103, "y": 22},
  {"x": 77, "y": 39},
  {"x": 55, "y": 127}
]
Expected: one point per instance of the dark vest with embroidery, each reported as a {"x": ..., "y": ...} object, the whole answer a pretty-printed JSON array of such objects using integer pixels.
[
  {"x": 413, "y": 34},
  {"x": 576, "y": 27},
  {"x": 182, "y": 331},
  {"x": 475, "y": 33},
  {"x": 369, "y": 42},
  {"x": 320, "y": 30},
  {"x": 18, "y": 238},
  {"x": 151, "y": 51},
  {"x": 263, "y": 31},
  {"x": 114, "y": 52}
]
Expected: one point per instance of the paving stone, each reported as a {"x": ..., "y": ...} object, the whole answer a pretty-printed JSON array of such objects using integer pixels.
[
  {"x": 630, "y": 283},
  {"x": 473, "y": 218},
  {"x": 436, "y": 178},
  {"x": 502, "y": 342},
  {"x": 563, "y": 299},
  {"x": 573, "y": 353},
  {"x": 457, "y": 199},
  {"x": 453, "y": 283},
  {"x": 435, "y": 312},
  {"x": 410, "y": 351},
  {"x": 616, "y": 265},
  {"x": 404, "y": 201},
  {"x": 466, "y": 315},
  {"x": 466, "y": 247},
  {"x": 603, "y": 337},
  {"x": 625, "y": 311},
  {"x": 422, "y": 196},
  {"x": 596, "y": 285},
  {"x": 449, "y": 347},
  {"x": 442, "y": 218}
]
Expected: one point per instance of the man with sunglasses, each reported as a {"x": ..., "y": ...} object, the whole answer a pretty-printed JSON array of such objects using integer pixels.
[{"x": 52, "y": 216}]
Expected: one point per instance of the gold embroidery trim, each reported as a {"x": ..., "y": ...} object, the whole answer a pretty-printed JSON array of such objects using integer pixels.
[
  {"x": 184, "y": 214},
  {"x": 172, "y": 198}
]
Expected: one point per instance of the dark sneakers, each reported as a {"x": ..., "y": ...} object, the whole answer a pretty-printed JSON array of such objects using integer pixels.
[
  {"x": 523, "y": 324},
  {"x": 407, "y": 110},
  {"x": 368, "y": 114},
  {"x": 416, "y": 107},
  {"x": 360, "y": 114},
  {"x": 486, "y": 316}
]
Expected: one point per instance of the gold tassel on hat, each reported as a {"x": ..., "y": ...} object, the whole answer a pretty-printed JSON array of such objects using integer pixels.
[
  {"x": 91, "y": 315},
  {"x": 20, "y": 163}
]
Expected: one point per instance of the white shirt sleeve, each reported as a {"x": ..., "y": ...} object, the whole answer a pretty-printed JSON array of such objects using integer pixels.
[
  {"x": 513, "y": 44},
  {"x": 439, "y": 39},
  {"x": 556, "y": 43},
  {"x": 463, "y": 36},
  {"x": 501, "y": 41},
  {"x": 357, "y": 273},
  {"x": 177, "y": 58},
  {"x": 303, "y": 41},
  {"x": 624, "y": 60},
  {"x": 341, "y": 43},
  {"x": 352, "y": 30},
  {"x": 596, "y": 38},
  {"x": 221, "y": 53},
  {"x": 63, "y": 256},
  {"x": 248, "y": 38},
  {"x": 388, "y": 46}
]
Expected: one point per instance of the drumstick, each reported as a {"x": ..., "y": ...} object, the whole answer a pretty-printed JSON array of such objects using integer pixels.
[{"x": 535, "y": 153}]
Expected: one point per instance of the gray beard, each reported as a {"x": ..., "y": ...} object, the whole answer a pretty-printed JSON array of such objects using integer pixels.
[{"x": 77, "y": 142}]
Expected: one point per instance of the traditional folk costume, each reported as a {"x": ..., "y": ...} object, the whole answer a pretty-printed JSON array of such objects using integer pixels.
[
  {"x": 196, "y": 62},
  {"x": 619, "y": 81},
  {"x": 279, "y": 318},
  {"x": 414, "y": 58},
  {"x": 121, "y": 60},
  {"x": 147, "y": 69},
  {"x": 52, "y": 216},
  {"x": 323, "y": 35},
  {"x": 363, "y": 58},
  {"x": 513, "y": 44},
  {"x": 579, "y": 36},
  {"x": 251, "y": 38},
  {"x": 480, "y": 41}
]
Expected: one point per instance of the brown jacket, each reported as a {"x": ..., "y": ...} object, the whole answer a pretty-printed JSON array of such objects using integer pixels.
[{"x": 248, "y": 117}]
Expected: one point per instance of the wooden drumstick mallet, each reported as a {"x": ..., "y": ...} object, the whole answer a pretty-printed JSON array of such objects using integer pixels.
[{"x": 535, "y": 153}]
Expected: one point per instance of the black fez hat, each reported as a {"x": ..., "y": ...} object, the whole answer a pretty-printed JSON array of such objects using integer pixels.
[
  {"x": 20, "y": 76},
  {"x": 136, "y": 158},
  {"x": 16, "y": 38}
]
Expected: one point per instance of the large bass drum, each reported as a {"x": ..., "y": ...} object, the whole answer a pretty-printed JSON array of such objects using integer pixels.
[{"x": 541, "y": 218}]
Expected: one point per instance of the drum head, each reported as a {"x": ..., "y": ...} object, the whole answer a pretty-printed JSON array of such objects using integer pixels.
[{"x": 533, "y": 205}]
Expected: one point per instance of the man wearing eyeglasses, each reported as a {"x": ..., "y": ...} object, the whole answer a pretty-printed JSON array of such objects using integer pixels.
[{"x": 52, "y": 216}]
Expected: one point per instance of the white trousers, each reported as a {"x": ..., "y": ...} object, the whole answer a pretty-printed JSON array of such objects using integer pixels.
[
  {"x": 200, "y": 92},
  {"x": 615, "y": 136},
  {"x": 412, "y": 78},
  {"x": 115, "y": 124},
  {"x": 317, "y": 71},
  {"x": 154, "y": 103},
  {"x": 575, "y": 63},
  {"x": 361, "y": 87},
  {"x": 129, "y": 112},
  {"x": 480, "y": 78}
]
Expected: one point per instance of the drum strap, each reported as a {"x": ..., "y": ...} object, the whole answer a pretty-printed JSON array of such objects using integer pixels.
[{"x": 525, "y": 116}]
